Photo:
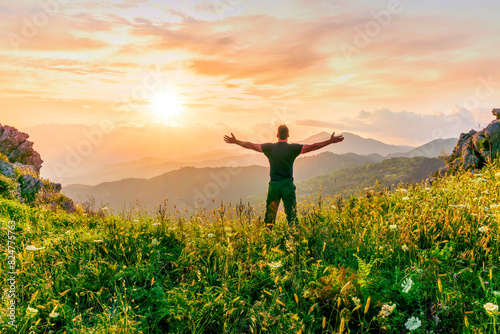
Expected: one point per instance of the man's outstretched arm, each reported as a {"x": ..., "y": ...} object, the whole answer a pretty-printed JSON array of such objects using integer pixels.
[
  {"x": 245, "y": 144},
  {"x": 313, "y": 147}
]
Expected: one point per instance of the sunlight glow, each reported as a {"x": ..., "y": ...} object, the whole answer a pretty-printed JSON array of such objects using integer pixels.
[{"x": 167, "y": 105}]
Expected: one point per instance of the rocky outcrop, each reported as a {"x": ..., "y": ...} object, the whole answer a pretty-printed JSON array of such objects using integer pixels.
[
  {"x": 20, "y": 173},
  {"x": 476, "y": 148},
  {"x": 30, "y": 186},
  {"x": 7, "y": 169},
  {"x": 16, "y": 146}
]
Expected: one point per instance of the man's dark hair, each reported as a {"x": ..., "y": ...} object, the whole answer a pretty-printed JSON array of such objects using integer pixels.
[{"x": 283, "y": 132}]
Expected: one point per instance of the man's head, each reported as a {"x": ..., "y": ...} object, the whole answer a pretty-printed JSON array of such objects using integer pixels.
[{"x": 283, "y": 132}]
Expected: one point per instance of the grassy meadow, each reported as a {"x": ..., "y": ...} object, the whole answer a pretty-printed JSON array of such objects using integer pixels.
[{"x": 418, "y": 259}]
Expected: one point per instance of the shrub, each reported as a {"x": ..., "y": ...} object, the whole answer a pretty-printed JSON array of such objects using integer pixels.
[
  {"x": 8, "y": 187},
  {"x": 3, "y": 157}
]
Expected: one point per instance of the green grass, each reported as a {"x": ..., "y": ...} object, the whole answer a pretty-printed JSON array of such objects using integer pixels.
[{"x": 221, "y": 271}]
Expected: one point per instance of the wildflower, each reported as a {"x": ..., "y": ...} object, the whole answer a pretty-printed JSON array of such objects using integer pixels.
[
  {"x": 406, "y": 285},
  {"x": 356, "y": 301},
  {"x": 455, "y": 275},
  {"x": 290, "y": 245},
  {"x": 33, "y": 248},
  {"x": 156, "y": 224},
  {"x": 136, "y": 220},
  {"x": 491, "y": 308},
  {"x": 386, "y": 310},
  {"x": 458, "y": 206},
  {"x": 31, "y": 311},
  {"x": 98, "y": 240},
  {"x": 53, "y": 314},
  {"x": 210, "y": 235},
  {"x": 428, "y": 189},
  {"x": 413, "y": 323},
  {"x": 154, "y": 242},
  {"x": 406, "y": 198},
  {"x": 404, "y": 247},
  {"x": 393, "y": 227},
  {"x": 483, "y": 229},
  {"x": 275, "y": 265}
]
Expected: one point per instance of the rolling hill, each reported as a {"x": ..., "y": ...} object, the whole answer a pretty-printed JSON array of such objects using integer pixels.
[
  {"x": 387, "y": 173},
  {"x": 182, "y": 186}
]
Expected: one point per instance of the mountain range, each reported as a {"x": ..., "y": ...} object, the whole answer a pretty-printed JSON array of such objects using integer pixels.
[{"x": 235, "y": 156}]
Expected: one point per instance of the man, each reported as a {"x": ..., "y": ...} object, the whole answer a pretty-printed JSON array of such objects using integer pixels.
[{"x": 281, "y": 157}]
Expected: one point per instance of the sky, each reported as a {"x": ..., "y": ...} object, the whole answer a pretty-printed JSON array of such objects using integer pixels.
[{"x": 403, "y": 72}]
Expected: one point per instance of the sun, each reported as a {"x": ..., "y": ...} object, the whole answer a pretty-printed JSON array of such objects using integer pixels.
[{"x": 167, "y": 105}]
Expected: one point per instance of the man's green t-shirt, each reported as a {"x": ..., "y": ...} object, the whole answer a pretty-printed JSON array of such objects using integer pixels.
[{"x": 281, "y": 156}]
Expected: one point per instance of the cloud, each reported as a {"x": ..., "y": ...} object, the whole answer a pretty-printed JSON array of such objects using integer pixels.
[
  {"x": 405, "y": 125},
  {"x": 317, "y": 124}
]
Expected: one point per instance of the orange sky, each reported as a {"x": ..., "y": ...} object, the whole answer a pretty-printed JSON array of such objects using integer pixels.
[{"x": 403, "y": 72}]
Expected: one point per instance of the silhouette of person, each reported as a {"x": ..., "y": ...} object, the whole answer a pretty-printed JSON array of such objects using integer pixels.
[{"x": 281, "y": 156}]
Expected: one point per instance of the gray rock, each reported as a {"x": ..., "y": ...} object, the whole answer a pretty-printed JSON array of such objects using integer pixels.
[
  {"x": 25, "y": 168},
  {"x": 475, "y": 149},
  {"x": 7, "y": 169},
  {"x": 57, "y": 187},
  {"x": 69, "y": 206},
  {"x": 16, "y": 146},
  {"x": 30, "y": 186}
]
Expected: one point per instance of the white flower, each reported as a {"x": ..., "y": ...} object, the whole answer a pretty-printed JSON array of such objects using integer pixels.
[
  {"x": 406, "y": 285},
  {"x": 98, "y": 240},
  {"x": 53, "y": 314},
  {"x": 393, "y": 227},
  {"x": 413, "y": 323},
  {"x": 386, "y": 310},
  {"x": 404, "y": 191},
  {"x": 156, "y": 224},
  {"x": 210, "y": 235},
  {"x": 31, "y": 311},
  {"x": 491, "y": 308},
  {"x": 33, "y": 248},
  {"x": 154, "y": 242},
  {"x": 458, "y": 206},
  {"x": 406, "y": 198},
  {"x": 356, "y": 301},
  {"x": 483, "y": 229},
  {"x": 428, "y": 189},
  {"x": 136, "y": 220},
  {"x": 404, "y": 247},
  {"x": 275, "y": 265}
]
